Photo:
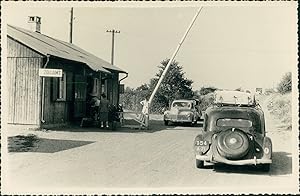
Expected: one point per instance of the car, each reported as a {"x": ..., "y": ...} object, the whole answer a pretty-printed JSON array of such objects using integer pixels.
[
  {"x": 234, "y": 133},
  {"x": 183, "y": 111}
]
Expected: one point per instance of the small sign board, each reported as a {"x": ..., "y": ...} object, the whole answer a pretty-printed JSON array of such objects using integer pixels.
[{"x": 50, "y": 72}]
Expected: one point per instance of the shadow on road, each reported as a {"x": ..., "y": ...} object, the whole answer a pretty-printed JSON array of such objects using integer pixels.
[
  {"x": 281, "y": 165},
  {"x": 32, "y": 143},
  {"x": 155, "y": 126}
]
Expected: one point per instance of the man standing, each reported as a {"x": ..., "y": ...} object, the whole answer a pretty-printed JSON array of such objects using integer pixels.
[{"x": 103, "y": 110}]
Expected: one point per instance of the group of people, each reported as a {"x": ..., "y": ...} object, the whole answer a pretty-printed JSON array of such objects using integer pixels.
[{"x": 99, "y": 109}]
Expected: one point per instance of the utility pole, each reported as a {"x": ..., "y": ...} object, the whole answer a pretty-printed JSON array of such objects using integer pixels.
[
  {"x": 113, "y": 31},
  {"x": 71, "y": 25}
]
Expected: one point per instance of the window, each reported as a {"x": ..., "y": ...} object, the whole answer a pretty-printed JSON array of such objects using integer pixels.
[
  {"x": 182, "y": 104},
  {"x": 59, "y": 88},
  {"x": 228, "y": 122},
  {"x": 80, "y": 87},
  {"x": 95, "y": 86}
]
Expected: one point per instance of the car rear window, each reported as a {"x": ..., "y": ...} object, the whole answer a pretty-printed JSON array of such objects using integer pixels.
[
  {"x": 182, "y": 104},
  {"x": 229, "y": 122}
]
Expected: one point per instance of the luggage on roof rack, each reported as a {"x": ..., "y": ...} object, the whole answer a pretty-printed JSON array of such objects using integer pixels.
[{"x": 237, "y": 98}]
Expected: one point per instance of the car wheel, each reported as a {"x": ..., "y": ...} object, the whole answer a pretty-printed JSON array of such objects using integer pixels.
[
  {"x": 265, "y": 167},
  {"x": 233, "y": 144},
  {"x": 166, "y": 122},
  {"x": 199, "y": 164}
]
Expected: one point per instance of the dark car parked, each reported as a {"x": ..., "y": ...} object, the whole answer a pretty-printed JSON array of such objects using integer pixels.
[{"x": 234, "y": 133}]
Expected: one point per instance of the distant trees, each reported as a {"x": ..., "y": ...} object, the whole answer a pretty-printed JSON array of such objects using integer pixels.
[
  {"x": 131, "y": 97},
  {"x": 206, "y": 96},
  {"x": 285, "y": 85},
  {"x": 174, "y": 86},
  {"x": 205, "y": 90}
]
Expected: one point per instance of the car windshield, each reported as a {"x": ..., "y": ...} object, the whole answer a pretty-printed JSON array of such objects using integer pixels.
[
  {"x": 229, "y": 122},
  {"x": 181, "y": 104}
]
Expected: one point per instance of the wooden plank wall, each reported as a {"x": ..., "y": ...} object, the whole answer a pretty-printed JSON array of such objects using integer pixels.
[
  {"x": 24, "y": 84},
  {"x": 54, "y": 111},
  {"x": 57, "y": 112}
]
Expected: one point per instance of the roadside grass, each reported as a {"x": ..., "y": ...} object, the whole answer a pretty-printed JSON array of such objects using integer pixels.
[{"x": 280, "y": 107}]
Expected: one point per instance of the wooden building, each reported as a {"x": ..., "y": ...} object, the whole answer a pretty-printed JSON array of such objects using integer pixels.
[{"x": 49, "y": 101}]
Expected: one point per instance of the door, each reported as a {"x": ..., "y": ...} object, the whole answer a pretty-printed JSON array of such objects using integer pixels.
[{"x": 80, "y": 86}]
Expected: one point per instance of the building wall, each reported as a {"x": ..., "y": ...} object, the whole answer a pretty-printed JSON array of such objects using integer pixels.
[
  {"x": 71, "y": 108},
  {"x": 112, "y": 88},
  {"x": 24, "y": 83},
  {"x": 25, "y": 88}
]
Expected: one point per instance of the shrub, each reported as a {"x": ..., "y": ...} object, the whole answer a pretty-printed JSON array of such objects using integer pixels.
[{"x": 285, "y": 85}]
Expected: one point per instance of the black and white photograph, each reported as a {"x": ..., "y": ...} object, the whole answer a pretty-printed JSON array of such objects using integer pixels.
[{"x": 149, "y": 98}]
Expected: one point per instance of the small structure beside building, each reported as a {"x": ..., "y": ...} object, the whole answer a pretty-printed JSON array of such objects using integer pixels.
[{"x": 48, "y": 101}]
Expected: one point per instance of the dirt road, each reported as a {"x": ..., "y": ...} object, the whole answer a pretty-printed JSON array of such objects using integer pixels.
[{"x": 159, "y": 160}]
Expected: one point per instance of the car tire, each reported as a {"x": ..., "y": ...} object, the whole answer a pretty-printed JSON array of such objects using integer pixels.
[
  {"x": 166, "y": 122},
  {"x": 199, "y": 164},
  {"x": 235, "y": 150},
  {"x": 265, "y": 167}
]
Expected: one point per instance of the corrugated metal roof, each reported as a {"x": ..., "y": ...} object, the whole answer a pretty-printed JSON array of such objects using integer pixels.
[{"x": 50, "y": 46}]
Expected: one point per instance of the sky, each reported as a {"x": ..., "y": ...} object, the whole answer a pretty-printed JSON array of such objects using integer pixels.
[{"x": 228, "y": 47}]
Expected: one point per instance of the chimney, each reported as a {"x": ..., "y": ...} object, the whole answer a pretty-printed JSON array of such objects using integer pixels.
[{"x": 35, "y": 23}]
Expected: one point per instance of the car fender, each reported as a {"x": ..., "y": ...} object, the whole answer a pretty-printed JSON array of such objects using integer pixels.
[{"x": 267, "y": 148}]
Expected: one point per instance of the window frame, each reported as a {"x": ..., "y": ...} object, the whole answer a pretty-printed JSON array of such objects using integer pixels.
[{"x": 60, "y": 90}]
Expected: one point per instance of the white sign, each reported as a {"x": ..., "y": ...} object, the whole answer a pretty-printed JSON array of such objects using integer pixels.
[{"x": 50, "y": 72}]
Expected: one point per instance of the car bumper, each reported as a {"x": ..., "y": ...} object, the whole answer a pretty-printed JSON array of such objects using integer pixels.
[
  {"x": 253, "y": 161},
  {"x": 179, "y": 119}
]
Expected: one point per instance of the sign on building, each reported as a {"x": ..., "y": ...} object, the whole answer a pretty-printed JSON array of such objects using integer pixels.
[{"x": 50, "y": 72}]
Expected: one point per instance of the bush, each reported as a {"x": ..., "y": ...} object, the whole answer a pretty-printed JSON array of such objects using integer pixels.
[
  {"x": 206, "y": 90},
  {"x": 280, "y": 106},
  {"x": 206, "y": 101},
  {"x": 285, "y": 85}
]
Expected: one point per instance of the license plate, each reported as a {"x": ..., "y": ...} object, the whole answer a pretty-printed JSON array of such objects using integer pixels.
[{"x": 201, "y": 143}]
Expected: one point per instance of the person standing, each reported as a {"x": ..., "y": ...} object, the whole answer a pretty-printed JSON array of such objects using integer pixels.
[
  {"x": 103, "y": 111},
  {"x": 145, "y": 111},
  {"x": 94, "y": 106}
]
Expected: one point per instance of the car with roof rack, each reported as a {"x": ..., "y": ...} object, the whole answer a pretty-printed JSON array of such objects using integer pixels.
[{"x": 234, "y": 133}]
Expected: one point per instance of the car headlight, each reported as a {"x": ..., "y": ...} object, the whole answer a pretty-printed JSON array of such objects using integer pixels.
[
  {"x": 266, "y": 150},
  {"x": 189, "y": 115}
]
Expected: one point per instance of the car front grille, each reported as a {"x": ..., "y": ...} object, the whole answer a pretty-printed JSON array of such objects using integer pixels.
[{"x": 179, "y": 117}]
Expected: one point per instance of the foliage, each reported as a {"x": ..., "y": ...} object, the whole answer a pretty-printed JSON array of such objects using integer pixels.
[
  {"x": 174, "y": 86},
  {"x": 131, "y": 98},
  {"x": 206, "y": 101},
  {"x": 280, "y": 106},
  {"x": 285, "y": 85},
  {"x": 206, "y": 90}
]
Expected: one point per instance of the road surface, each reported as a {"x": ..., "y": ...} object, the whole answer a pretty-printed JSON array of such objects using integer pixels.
[{"x": 159, "y": 160}]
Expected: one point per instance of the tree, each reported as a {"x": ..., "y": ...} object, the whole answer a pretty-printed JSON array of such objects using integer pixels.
[
  {"x": 174, "y": 86},
  {"x": 206, "y": 90},
  {"x": 131, "y": 98},
  {"x": 285, "y": 85}
]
